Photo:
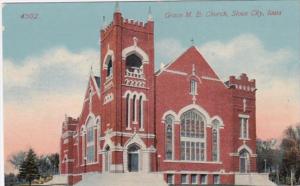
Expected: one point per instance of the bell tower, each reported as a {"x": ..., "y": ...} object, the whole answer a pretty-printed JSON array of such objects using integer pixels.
[{"x": 127, "y": 94}]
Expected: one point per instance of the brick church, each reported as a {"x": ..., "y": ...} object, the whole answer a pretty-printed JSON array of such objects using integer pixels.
[{"x": 181, "y": 123}]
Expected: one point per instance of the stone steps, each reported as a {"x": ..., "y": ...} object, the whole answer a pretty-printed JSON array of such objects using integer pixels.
[
  {"x": 258, "y": 179},
  {"x": 122, "y": 179}
]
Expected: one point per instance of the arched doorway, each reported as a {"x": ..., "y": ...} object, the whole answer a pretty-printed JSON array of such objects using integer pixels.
[
  {"x": 133, "y": 158},
  {"x": 106, "y": 159},
  {"x": 244, "y": 161}
]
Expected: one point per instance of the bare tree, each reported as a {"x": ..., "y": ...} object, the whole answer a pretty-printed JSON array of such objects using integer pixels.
[
  {"x": 290, "y": 147},
  {"x": 17, "y": 159}
]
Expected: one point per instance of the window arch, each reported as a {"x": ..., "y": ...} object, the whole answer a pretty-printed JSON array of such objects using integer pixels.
[
  {"x": 192, "y": 136},
  {"x": 169, "y": 121},
  {"x": 215, "y": 140}
]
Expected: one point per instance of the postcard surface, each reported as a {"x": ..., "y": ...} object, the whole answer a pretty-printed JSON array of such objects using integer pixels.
[{"x": 151, "y": 93}]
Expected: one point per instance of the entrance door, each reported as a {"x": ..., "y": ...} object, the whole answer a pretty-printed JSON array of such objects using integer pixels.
[
  {"x": 244, "y": 161},
  {"x": 133, "y": 158}
]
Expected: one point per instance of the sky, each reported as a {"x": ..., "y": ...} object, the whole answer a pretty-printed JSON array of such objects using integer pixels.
[{"x": 47, "y": 58}]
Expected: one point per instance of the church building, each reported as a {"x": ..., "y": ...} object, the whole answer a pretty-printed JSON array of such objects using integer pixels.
[{"x": 180, "y": 124}]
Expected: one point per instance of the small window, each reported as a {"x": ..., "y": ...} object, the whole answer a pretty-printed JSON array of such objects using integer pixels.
[
  {"x": 216, "y": 179},
  {"x": 215, "y": 141},
  {"x": 244, "y": 128},
  {"x": 193, "y": 87},
  {"x": 141, "y": 119},
  {"x": 127, "y": 110},
  {"x": 194, "y": 179},
  {"x": 170, "y": 178},
  {"x": 203, "y": 179},
  {"x": 169, "y": 137},
  {"x": 184, "y": 178},
  {"x": 109, "y": 68}
]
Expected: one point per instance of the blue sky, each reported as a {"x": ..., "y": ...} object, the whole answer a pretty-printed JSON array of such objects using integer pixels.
[
  {"x": 76, "y": 25},
  {"x": 47, "y": 59}
]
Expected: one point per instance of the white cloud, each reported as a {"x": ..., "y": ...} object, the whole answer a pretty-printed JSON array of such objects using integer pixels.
[
  {"x": 52, "y": 84},
  {"x": 168, "y": 49},
  {"x": 53, "y": 63},
  {"x": 246, "y": 53}
]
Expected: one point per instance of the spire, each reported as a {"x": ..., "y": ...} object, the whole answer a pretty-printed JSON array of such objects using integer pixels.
[
  {"x": 192, "y": 41},
  {"x": 103, "y": 23},
  {"x": 150, "y": 18},
  {"x": 117, "y": 7},
  {"x": 91, "y": 71}
]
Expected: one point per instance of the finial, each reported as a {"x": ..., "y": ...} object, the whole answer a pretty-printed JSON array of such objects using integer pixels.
[
  {"x": 103, "y": 22},
  {"x": 91, "y": 71},
  {"x": 150, "y": 18},
  {"x": 117, "y": 7},
  {"x": 192, "y": 41}
]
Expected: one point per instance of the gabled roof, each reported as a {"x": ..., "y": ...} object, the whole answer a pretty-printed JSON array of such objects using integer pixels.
[
  {"x": 94, "y": 84},
  {"x": 191, "y": 56}
]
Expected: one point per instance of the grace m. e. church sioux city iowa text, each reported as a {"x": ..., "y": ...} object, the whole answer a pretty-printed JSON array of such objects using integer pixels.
[{"x": 179, "y": 125}]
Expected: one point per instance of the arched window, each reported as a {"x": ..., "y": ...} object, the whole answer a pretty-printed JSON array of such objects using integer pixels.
[
  {"x": 141, "y": 113},
  {"x": 133, "y": 108},
  {"x": 128, "y": 111},
  {"x": 90, "y": 142},
  {"x": 109, "y": 67},
  {"x": 244, "y": 133},
  {"x": 169, "y": 137},
  {"x": 133, "y": 62},
  {"x": 192, "y": 136},
  {"x": 215, "y": 140},
  {"x": 244, "y": 161}
]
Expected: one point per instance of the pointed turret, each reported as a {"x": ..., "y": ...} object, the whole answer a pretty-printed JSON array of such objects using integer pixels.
[
  {"x": 103, "y": 23},
  {"x": 150, "y": 18},
  {"x": 117, "y": 7}
]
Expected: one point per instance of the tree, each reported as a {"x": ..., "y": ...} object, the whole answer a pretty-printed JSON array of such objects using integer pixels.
[
  {"x": 29, "y": 168},
  {"x": 290, "y": 147},
  {"x": 44, "y": 166},
  {"x": 267, "y": 155},
  {"x": 54, "y": 159},
  {"x": 17, "y": 159}
]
